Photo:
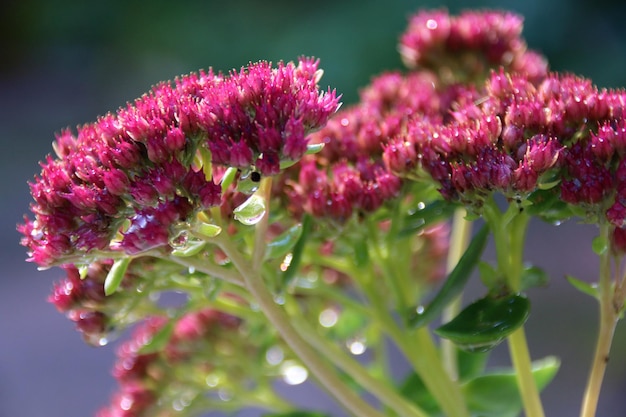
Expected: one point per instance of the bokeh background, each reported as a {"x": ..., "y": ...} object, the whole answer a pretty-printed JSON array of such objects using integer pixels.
[{"x": 64, "y": 62}]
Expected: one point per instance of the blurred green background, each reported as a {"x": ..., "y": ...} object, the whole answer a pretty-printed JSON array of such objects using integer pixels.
[{"x": 64, "y": 62}]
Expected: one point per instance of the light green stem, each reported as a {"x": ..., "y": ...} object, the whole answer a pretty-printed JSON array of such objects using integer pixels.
[
  {"x": 311, "y": 358},
  {"x": 509, "y": 230},
  {"x": 518, "y": 349},
  {"x": 609, "y": 315},
  {"x": 459, "y": 240},
  {"x": 419, "y": 348},
  {"x": 387, "y": 396}
]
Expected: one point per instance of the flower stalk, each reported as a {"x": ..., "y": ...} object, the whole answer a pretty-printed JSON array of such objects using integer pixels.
[{"x": 610, "y": 309}]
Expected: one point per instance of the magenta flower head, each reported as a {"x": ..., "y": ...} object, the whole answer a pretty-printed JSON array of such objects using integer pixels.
[
  {"x": 466, "y": 46},
  {"x": 130, "y": 182},
  {"x": 349, "y": 176}
]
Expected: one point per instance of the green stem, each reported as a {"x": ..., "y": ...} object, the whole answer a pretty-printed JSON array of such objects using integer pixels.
[
  {"x": 459, "y": 240},
  {"x": 419, "y": 348},
  {"x": 387, "y": 396},
  {"x": 509, "y": 230},
  {"x": 520, "y": 356},
  {"x": 260, "y": 235},
  {"x": 311, "y": 358},
  {"x": 609, "y": 315}
]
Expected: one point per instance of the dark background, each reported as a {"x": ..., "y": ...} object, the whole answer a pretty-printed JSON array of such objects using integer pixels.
[{"x": 64, "y": 62}]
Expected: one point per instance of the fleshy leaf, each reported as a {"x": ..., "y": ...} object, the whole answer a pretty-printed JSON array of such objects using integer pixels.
[
  {"x": 482, "y": 325},
  {"x": 115, "y": 275},
  {"x": 599, "y": 245},
  {"x": 497, "y": 395},
  {"x": 456, "y": 280},
  {"x": 582, "y": 286},
  {"x": 251, "y": 211},
  {"x": 488, "y": 275},
  {"x": 190, "y": 249},
  {"x": 296, "y": 253},
  {"x": 228, "y": 178},
  {"x": 208, "y": 230},
  {"x": 433, "y": 212},
  {"x": 533, "y": 276},
  {"x": 281, "y": 245}
]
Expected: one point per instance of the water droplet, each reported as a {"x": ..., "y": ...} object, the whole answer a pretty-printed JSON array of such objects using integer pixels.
[
  {"x": 356, "y": 346},
  {"x": 431, "y": 24},
  {"x": 294, "y": 373},
  {"x": 420, "y": 310},
  {"x": 328, "y": 318},
  {"x": 212, "y": 380},
  {"x": 225, "y": 395},
  {"x": 421, "y": 205},
  {"x": 286, "y": 262},
  {"x": 274, "y": 355}
]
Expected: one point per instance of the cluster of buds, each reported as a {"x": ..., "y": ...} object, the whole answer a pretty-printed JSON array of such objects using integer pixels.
[
  {"x": 164, "y": 380},
  {"x": 467, "y": 45},
  {"x": 129, "y": 180}
]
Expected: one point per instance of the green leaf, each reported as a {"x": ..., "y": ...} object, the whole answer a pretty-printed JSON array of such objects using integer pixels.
[
  {"x": 298, "y": 249},
  {"x": 600, "y": 245},
  {"x": 548, "y": 206},
  {"x": 497, "y": 395},
  {"x": 159, "y": 340},
  {"x": 533, "y": 276},
  {"x": 482, "y": 325},
  {"x": 456, "y": 281},
  {"x": 313, "y": 148},
  {"x": 251, "y": 211},
  {"x": 488, "y": 275},
  {"x": 281, "y": 245},
  {"x": 228, "y": 178},
  {"x": 115, "y": 275},
  {"x": 207, "y": 230},
  {"x": 436, "y": 211},
  {"x": 582, "y": 286},
  {"x": 190, "y": 249}
]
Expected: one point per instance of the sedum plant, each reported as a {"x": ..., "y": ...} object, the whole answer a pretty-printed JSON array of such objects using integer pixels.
[{"x": 301, "y": 236}]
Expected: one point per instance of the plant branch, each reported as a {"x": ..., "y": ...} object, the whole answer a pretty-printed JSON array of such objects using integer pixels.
[
  {"x": 459, "y": 240},
  {"x": 311, "y": 358},
  {"x": 609, "y": 315},
  {"x": 388, "y": 396}
]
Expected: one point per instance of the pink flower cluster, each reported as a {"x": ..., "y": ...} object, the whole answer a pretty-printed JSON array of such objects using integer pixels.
[
  {"x": 146, "y": 379},
  {"x": 507, "y": 135},
  {"x": 96, "y": 316},
  {"x": 366, "y": 150},
  {"x": 469, "y": 44},
  {"x": 348, "y": 176},
  {"x": 127, "y": 180}
]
